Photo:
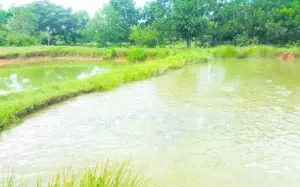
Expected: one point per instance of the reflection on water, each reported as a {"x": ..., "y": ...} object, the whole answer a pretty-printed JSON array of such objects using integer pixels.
[
  {"x": 226, "y": 124},
  {"x": 14, "y": 82},
  {"x": 95, "y": 71},
  {"x": 211, "y": 78}
]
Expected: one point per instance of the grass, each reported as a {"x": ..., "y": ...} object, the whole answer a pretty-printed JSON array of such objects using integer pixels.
[
  {"x": 40, "y": 51},
  {"x": 14, "y": 107},
  {"x": 107, "y": 174}
]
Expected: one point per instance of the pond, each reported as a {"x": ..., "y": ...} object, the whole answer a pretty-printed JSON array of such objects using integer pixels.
[
  {"x": 223, "y": 124},
  {"x": 18, "y": 79}
]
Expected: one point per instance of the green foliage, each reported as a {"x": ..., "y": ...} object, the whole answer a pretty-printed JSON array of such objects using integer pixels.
[
  {"x": 144, "y": 36},
  {"x": 106, "y": 174},
  {"x": 191, "y": 18},
  {"x": 244, "y": 40},
  {"x": 137, "y": 55},
  {"x": 22, "y": 21},
  {"x": 160, "y": 22},
  {"x": 110, "y": 54},
  {"x": 225, "y": 52},
  {"x": 20, "y": 40},
  {"x": 111, "y": 27},
  {"x": 4, "y": 16}
]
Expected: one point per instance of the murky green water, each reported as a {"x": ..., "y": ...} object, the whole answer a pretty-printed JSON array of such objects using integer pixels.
[
  {"x": 228, "y": 124},
  {"x": 18, "y": 79}
]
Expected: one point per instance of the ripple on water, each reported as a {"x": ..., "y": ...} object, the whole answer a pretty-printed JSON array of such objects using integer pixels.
[{"x": 238, "y": 135}]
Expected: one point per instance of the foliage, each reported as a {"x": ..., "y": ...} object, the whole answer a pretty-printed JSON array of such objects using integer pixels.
[
  {"x": 22, "y": 21},
  {"x": 137, "y": 55},
  {"x": 144, "y": 36},
  {"x": 191, "y": 18},
  {"x": 20, "y": 40},
  {"x": 225, "y": 52},
  {"x": 110, "y": 30},
  {"x": 205, "y": 22},
  {"x": 106, "y": 174},
  {"x": 109, "y": 54}
]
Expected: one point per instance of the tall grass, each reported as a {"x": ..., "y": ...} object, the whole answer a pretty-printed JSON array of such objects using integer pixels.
[
  {"x": 28, "y": 52},
  {"x": 250, "y": 51},
  {"x": 107, "y": 174}
]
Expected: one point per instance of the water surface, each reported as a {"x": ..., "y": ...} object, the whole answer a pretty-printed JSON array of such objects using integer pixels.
[
  {"x": 233, "y": 123},
  {"x": 23, "y": 78}
]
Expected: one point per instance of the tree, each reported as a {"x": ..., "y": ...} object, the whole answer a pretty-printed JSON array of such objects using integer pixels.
[
  {"x": 22, "y": 21},
  {"x": 191, "y": 18},
  {"x": 127, "y": 13},
  {"x": 157, "y": 15},
  {"x": 113, "y": 22},
  {"x": 59, "y": 22},
  {"x": 144, "y": 36},
  {"x": 110, "y": 27},
  {"x": 4, "y": 16}
]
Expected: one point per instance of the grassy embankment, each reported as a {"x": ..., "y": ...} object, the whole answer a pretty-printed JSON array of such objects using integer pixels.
[
  {"x": 14, "y": 107},
  {"x": 107, "y": 174}
]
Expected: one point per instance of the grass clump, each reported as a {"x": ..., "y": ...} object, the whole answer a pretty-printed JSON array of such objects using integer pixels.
[
  {"x": 137, "y": 55},
  {"x": 110, "y": 54},
  {"x": 225, "y": 52},
  {"x": 107, "y": 174}
]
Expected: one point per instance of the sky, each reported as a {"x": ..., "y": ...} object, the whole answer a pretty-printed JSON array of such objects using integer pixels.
[{"x": 91, "y": 6}]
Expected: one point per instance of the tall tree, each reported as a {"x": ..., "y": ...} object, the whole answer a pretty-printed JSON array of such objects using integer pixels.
[
  {"x": 58, "y": 21},
  {"x": 191, "y": 17},
  {"x": 127, "y": 12},
  {"x": 110, "y": 28},
  {"x": 114, "y": 21},
  {"x": 22, "y": 21},
  {"x": 4, "y": 16}
]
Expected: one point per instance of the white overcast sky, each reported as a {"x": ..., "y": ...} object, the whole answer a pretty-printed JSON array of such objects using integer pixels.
[{"x": 89, "y": 5}]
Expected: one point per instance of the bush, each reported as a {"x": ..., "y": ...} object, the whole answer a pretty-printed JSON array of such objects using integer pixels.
[
  {"x": 244, "y": 40},
  {"x": 21, "y": 40},
  {"x": 225, "y": 52},
  {"x": 144, "y": 36},
  {"x": 3, "y": 36},
  {"x": 137, "y": 55},
  {"x": 109, "y": 54}
]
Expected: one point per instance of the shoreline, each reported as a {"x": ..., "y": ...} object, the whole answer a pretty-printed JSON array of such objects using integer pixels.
[{"x": 14, "y": 107}]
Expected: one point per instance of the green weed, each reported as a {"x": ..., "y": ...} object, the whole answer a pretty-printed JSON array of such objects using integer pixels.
[{"x": 106, "y": 174}]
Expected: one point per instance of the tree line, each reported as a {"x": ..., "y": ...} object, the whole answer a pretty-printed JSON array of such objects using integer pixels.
[{"x": 160, "y": 22}]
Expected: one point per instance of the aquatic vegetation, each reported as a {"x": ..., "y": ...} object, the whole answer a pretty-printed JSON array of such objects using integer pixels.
[{"x": 107, "y": 174}]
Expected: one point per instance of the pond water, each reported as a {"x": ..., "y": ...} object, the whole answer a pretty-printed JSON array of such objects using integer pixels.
[
  {"x": 224, "y": 124},
  {"x": 31, "y": 77}
]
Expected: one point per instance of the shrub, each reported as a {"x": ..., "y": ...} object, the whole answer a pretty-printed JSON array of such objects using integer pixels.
[
  {"x": 244, "y": 40},
  {"x": 3, "y": 36},
  {"x": 144, "y": 36},
  {"x": 109, "y": 54},
  {"x": 137, "y": 55},
  {"x": 225, "y": 52},
  {"x": 21, "y": 40}
]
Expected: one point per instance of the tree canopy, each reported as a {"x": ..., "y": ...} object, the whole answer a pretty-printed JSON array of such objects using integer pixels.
[{"x": 159, "y": 22}]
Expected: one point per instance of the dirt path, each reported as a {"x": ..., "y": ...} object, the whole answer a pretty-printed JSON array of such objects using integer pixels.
[{"x": 4, "y": 62}]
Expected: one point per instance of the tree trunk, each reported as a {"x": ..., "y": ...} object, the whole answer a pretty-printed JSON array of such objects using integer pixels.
[
  {"x": 188, "y": 43},
  {"x": 173, "y": 43}
]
